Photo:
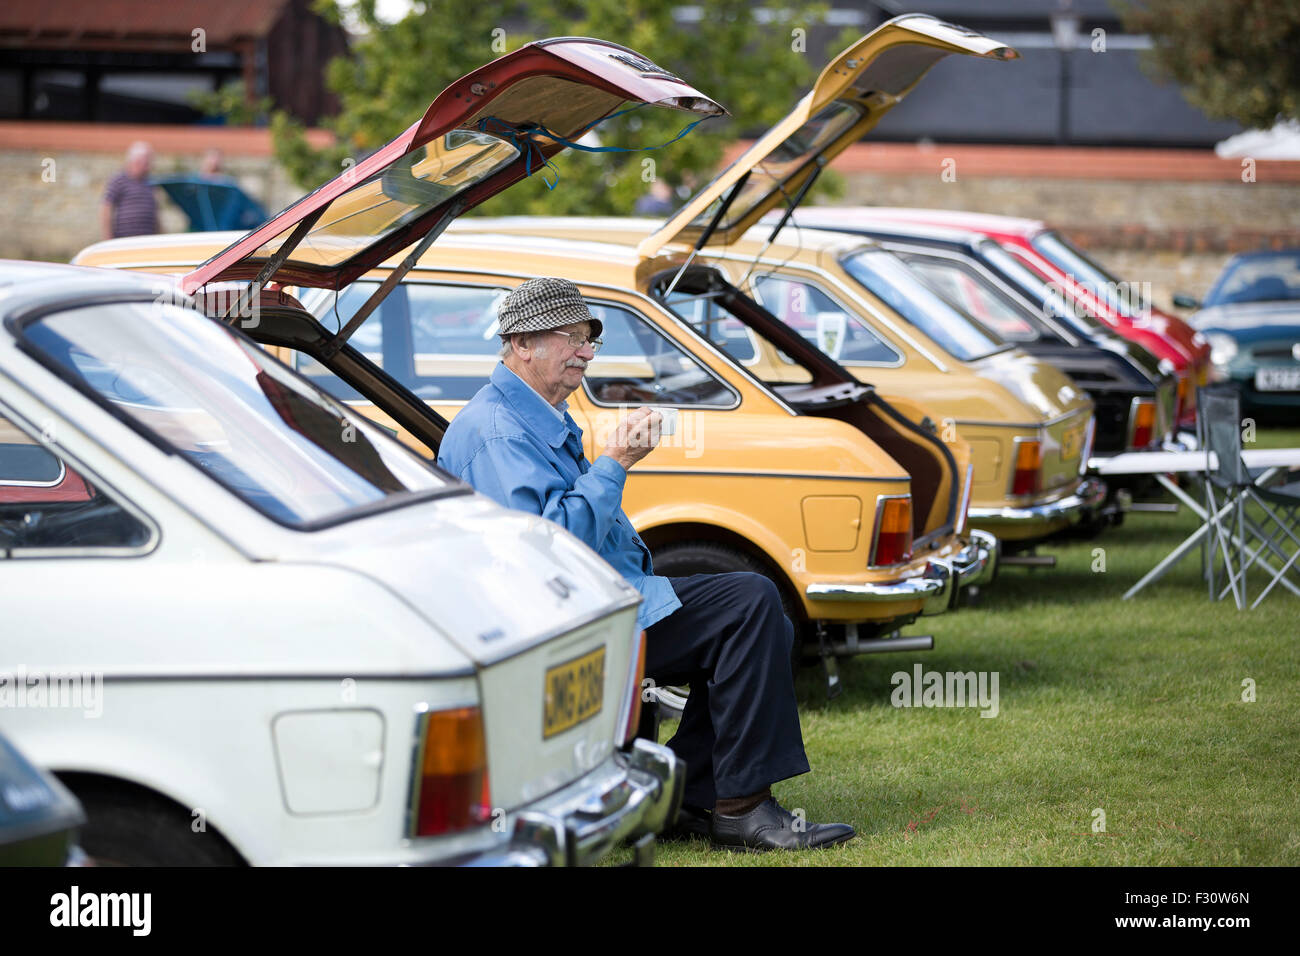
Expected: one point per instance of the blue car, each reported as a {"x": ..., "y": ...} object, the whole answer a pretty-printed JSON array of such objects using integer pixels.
[
  {"x": 212, "y": 204},
  {"x": 1251, "y": 317}
]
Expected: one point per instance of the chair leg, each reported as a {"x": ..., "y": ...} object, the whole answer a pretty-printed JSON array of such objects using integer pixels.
[
  {"x": 1278, "y": 577},
  {"x": 1268, "y": 540},
  {"x": 1241, "y": 542},
  {"x": 1226, "y": 542}
]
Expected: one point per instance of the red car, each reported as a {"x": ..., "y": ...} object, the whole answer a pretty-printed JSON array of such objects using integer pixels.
[{"x": 1089, "y": 290}]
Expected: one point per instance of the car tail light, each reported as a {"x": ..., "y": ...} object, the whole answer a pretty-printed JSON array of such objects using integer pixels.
[
  {"x": 451, "y": 781},
  {"x": 634, "y": 705},
  {"x": 963, "y": 508},
  {"x": 1142, "y": 424},
  {"x": 893, "y": 540},
  {"x": 1027, "y": 479}
]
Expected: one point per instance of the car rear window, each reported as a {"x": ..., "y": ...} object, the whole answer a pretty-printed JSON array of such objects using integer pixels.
[
  {"x": 206, "y": 393},
  {"x": 888, "y": 279}
]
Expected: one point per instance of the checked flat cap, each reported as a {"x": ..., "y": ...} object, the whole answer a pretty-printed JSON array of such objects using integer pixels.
[{"x": 541, "y": 304}]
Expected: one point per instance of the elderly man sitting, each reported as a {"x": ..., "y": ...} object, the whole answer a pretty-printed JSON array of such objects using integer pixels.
[{"x": 724, "y": 634}]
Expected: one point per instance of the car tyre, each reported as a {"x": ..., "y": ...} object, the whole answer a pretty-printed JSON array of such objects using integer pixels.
[
  {"x": 127, "y": 826},
  {"x": 710, "y": 557}
]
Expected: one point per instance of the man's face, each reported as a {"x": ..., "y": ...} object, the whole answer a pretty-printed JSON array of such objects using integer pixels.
[
  {"x": 137, "y": 165},
  {"x": 557, "y": 365}
]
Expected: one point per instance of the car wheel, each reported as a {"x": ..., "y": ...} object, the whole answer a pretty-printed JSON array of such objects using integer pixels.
[
  {"x": 709, "y": 557},
  {"x": 127, "y": 826}
]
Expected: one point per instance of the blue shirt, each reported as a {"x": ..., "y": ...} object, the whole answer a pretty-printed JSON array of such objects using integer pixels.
[{"x": 515, "y": 447}]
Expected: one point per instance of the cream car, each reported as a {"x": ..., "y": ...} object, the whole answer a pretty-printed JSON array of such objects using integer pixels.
[{"x": 292, "y": 640}]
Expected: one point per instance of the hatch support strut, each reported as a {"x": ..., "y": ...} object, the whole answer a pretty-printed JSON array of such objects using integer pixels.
[
  {"x": 254, "y": 290},
  {"x": 785, "y": 217},
  {"x": 340, "y": 338},
  {"x": 709, "y": 230}
]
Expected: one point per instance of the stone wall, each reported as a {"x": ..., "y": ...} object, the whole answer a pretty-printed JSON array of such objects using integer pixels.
[
  {"x": 1175, "y": 235},
  {"x": 52, "y": 197},
  {"x": 1167, "y": 217}
]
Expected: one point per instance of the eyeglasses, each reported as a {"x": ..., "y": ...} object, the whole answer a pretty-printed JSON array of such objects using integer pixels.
[{"x": 578, "y": 340}]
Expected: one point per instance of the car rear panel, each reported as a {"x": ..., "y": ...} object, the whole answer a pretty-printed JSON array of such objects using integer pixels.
[
  {"x": 526, "y": 758},
  {"x": 1063, "y": 449}
]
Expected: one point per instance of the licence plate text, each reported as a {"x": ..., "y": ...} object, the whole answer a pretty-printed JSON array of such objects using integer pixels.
[
  {"x": 1277, "y": 379},
  {"x": 573, "y": 692},
  {"x": 1071, "y": 442}
]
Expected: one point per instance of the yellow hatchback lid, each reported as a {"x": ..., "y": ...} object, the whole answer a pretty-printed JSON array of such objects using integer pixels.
[{"x": 854, "y": 91}]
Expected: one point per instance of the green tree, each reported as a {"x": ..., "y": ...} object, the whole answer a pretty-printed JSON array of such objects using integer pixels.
[
  {"x": 231, "y": 104},
  {"x": 755, "y": 64},
  {"x": 1238, "y": 61}
]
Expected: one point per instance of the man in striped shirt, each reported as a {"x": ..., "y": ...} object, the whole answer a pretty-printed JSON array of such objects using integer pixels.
[{"x": 129, "y": 207}]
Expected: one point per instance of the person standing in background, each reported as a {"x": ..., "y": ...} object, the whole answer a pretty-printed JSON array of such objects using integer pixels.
[
  {"x": 129, "y": 207},
  {"x": 211, "y": 166}
]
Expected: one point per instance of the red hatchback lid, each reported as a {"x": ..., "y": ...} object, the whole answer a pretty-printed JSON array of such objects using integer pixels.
[{"x": 483, "y": 133}]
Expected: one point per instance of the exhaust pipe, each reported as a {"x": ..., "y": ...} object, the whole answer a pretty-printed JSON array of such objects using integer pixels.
[
  {"x": 1029, "y": 560},
  {"x": 884, "y": 645}
]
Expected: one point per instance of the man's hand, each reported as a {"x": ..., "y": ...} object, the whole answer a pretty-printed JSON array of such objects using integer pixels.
[{"x": 635, "y": 437}]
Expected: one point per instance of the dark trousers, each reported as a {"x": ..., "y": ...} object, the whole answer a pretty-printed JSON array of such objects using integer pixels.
[{"x": 731, "y": 641}]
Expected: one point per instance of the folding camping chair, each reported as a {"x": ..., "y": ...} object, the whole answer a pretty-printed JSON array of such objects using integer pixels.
[{"x": 1248, "y": 524}]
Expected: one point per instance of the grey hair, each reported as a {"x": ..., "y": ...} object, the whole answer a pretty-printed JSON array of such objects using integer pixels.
[{"x": 507, "y": 348}]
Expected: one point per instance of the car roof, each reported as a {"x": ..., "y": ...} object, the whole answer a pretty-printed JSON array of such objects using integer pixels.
[
  {"x": 27, "y": 286},
  {"x": 501, "y": 254},
  {"x": 854, "y": 219},
  {"x": 977, "y": 221}
]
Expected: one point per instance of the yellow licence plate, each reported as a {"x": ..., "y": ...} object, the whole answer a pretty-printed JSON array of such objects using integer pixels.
[
  {"x": 574, "y": 691},
  {"x": 1071, "y": 443}
]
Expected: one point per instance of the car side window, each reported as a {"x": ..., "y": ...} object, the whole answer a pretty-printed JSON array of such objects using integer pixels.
[
  {"x": 964, "y": 288},
  {"x": 725, "y": 331},
  {"x": 438, "y": 340},
  {"x": 639, "y": 364},
  {"x": 822, "y": 321},
  {"x": 46, "y": 506}
]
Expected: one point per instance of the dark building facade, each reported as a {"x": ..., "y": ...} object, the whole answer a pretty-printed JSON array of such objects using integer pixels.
[
  {"x": 128, "y": 61},
  {"x": 1083, "y": 97}
]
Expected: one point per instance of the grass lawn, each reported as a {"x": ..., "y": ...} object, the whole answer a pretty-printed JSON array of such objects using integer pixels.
[{"x": 1130, "y": 707}]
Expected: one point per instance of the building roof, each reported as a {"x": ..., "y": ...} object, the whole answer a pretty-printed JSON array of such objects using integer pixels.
[{"x": 57, "y": 23}]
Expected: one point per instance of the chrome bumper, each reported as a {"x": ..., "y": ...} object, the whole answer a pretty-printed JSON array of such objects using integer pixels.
[
  {"x": 1073, "y": 507},
  {"x": 977, "y": 563},
  {"x": 937, "y": 586},
  {"x": 936, "y": 579},
  {"x": 637, "y": 803}
]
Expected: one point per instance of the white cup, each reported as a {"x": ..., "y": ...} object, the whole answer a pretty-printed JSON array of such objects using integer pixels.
[{"x": 668, "y": 425}]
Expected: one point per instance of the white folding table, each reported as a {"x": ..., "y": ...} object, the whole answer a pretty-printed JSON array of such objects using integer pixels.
[{"x": 1162, "y": 464}]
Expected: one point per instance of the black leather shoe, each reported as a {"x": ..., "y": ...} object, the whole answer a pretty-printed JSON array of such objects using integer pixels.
[
  {"x": 692, "y": 824},
  {"x": 770, "y": 826}
]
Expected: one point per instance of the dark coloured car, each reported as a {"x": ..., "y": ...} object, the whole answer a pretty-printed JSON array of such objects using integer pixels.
[
  {"x": 1252, "y": 318},
  {"x": 1135, "y": 399},
  {"x": 39, "y": 818}
]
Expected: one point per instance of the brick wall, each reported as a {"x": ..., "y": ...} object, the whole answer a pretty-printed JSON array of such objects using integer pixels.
[
  {"x": 51, "y": 207},
  {"x": 1168, "y": 217},
  {"x": 1175, "y": 235},
  {"x": 55, "y": 173}
]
